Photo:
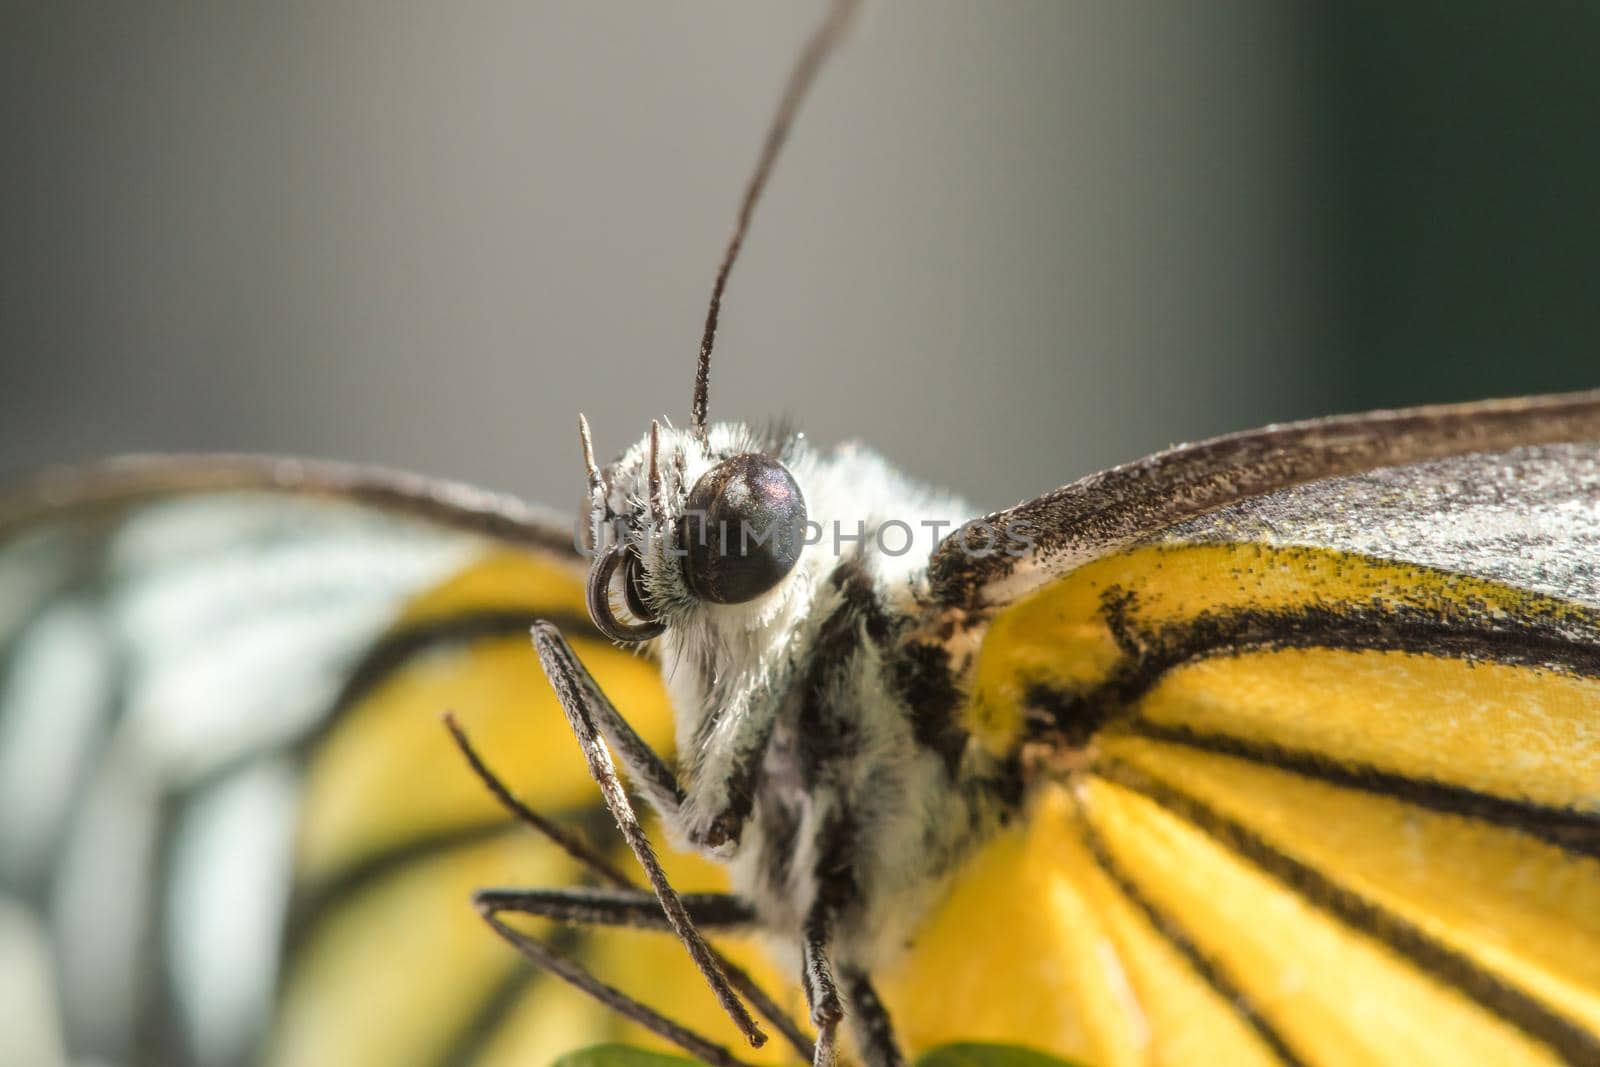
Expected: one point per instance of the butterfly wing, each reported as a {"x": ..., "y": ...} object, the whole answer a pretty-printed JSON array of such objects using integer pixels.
[
  {"x": 232, "y": 824},
  {"x": 1114, "y": 509},
  {"x": 1315, "y": 758}
]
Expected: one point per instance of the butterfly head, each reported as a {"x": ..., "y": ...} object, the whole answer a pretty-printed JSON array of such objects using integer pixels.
[{"x": 687, "y": 522}]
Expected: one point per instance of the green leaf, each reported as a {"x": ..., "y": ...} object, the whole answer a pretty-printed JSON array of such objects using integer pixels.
[
  {"x": 619, "y": 1055},
  {"x": 976, "y": 1055}
]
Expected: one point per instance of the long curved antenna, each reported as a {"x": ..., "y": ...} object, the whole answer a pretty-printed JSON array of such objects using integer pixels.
[{"x": 805, "y": 71}]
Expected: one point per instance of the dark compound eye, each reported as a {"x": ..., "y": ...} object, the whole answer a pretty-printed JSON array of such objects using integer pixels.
[{"x": 743, "y": 530}]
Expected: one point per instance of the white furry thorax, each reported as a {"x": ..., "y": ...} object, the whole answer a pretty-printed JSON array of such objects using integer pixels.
[
  {"x": 732, "y": 671},
  {"x": 708, "y": 648}
]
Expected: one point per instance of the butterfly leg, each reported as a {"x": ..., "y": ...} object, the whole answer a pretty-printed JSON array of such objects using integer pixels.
[
  {"x": 608, "y": 908},
  {"x": 822, "y": 993},
  {"x": 632, "y": 908},
  {"x": 589, "y": 714},
  {"x": 647, "y": 771},
  {"x": 870, "y": 1022},
  {"x": 869, "y": 1019},
  {"x": 835, "y": 883},
  {"x": 836, "y": 892},
  {"x": 624, "y": 906}
]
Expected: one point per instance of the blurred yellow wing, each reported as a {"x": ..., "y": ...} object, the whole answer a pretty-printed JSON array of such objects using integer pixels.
[
  {"x": 222, "y": 686},
  {"x": 391, "y": 964},
  {"x": 1315, "y": 778}
]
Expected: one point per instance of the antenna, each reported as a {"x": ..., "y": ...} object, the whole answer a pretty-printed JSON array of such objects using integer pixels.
[{"x": 817, "y": 49}]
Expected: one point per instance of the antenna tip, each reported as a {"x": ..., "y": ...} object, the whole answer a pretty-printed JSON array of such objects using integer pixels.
[{"x": 591, "y": 468}]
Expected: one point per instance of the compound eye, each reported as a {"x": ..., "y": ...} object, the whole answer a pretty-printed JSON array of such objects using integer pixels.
[{"x": 743, "y": 530}]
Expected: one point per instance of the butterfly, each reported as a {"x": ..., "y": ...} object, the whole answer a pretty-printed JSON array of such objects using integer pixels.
[{"x": 1279, "y": 748}]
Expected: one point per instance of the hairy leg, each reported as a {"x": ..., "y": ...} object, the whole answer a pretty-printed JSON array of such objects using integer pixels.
[
  {"x": 869, "y": 1021},
  {"x": 624, "y": 905}
]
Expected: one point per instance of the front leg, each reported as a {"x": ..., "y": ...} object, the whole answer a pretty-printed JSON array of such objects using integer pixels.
[
  {"x": 590, "y": 714},
  {"x": 711, "y": 812},
  {"x": 715, "y": 911},
  {"x": 647, "y": 771},
  {"x": 723, "y": 761}
]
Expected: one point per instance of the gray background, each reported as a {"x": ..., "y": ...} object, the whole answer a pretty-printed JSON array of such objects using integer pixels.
[{"x": 1008, "y": 244}]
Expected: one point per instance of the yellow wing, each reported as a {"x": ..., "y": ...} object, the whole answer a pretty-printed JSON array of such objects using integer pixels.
[
  {"x": 1313, "y": 775},
  {"x": 1315, "y": 779},
  {"x": 233, "y": 825},
  {"x": 391, "y": 964}
]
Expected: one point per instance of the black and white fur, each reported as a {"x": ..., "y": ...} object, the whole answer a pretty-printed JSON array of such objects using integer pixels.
[{"x": 819, "y": 754}]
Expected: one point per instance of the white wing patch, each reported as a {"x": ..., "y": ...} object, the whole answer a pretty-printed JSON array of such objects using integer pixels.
[
  {"x": 153, "y": 673},
  {"x": 57, "y": 709},
  {"x": 239, "y": 642},
  {"x": 226, "y": 880}
]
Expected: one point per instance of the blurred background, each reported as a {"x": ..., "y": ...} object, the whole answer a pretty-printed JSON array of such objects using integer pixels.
[{"x": 1008, "y": 243}]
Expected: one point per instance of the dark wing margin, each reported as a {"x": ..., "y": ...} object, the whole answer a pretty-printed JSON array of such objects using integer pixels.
[
  {"x": 1115, "y": 508},
  {"x": 112, "y": 484}
]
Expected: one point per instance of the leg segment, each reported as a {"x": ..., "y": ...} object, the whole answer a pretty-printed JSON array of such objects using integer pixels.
[
  {"x": 586, "y": 709},
  {"x": 574, "y": 684},
  {"x": 541, "y": 954},
  {"x": 836, "y": 891},
  {"x": 559, "y": 836},
  {"x": 870, "y": 1023},
  {"x": 626, "y": 906},
  {"x": 615, "y": 907},
  {"x": 822, "y": 993}
]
